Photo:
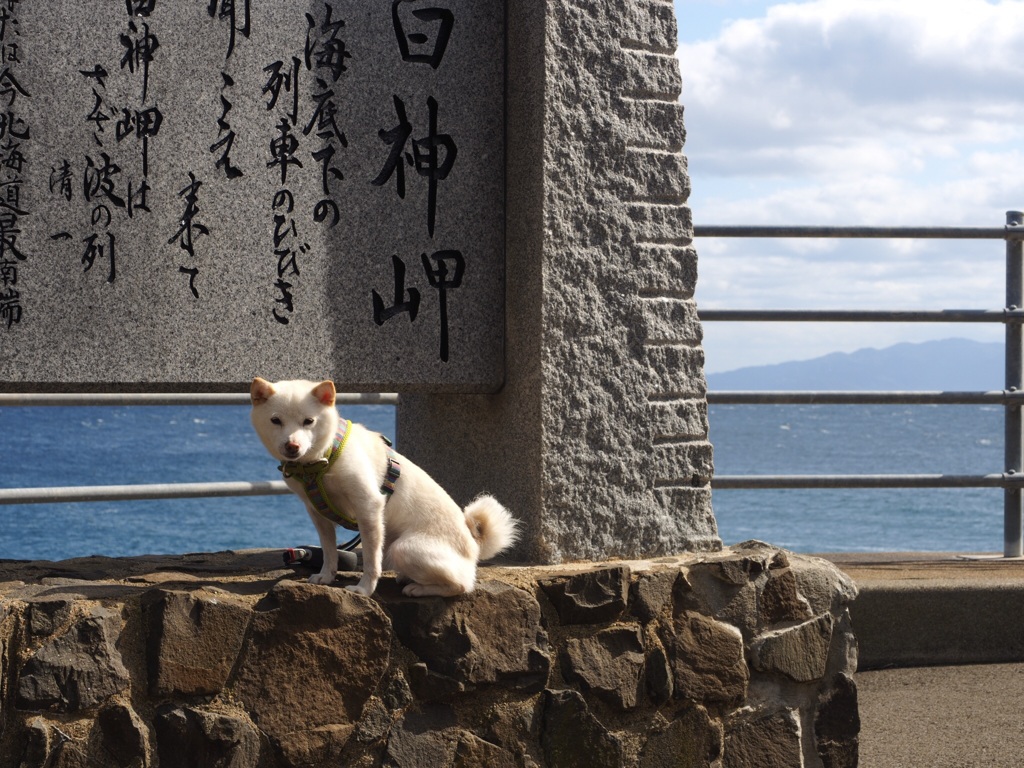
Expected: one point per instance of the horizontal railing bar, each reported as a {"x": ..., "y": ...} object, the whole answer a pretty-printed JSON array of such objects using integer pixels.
[
  {"x": 182, "y": 398},
  {"x": 140, "y": 492},
  {"x": 864, "y": 315},
  {"x": 933, "y": 233},
  {"x": 782, "y": 397},
  {"x": 765, "y": 482}
]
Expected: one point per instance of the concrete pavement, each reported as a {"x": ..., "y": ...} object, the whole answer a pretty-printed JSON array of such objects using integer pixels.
[
  {"x": 941, "y": 680},
  {"x": 942, "y": 717}
]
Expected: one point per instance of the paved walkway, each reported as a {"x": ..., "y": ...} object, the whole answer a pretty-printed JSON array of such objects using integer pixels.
[
  {"x": 949, "y": 608},
  {"x": 942, "y": 717}
]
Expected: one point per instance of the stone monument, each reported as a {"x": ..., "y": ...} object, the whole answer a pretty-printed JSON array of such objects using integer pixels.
[
  {"x": 598, "y": 439},
  {"x": 199, "y": 192}
]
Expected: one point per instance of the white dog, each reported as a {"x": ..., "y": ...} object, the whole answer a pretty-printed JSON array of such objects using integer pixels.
[{"x": 348, "y": 475}]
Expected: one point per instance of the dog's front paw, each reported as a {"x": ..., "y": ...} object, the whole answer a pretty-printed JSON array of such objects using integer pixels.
[
  {"x": 359, "y": 589},
  {"x": 324, "y": 577}
]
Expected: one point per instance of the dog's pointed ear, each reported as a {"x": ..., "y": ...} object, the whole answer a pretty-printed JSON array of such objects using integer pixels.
[
  {"x": 260, "y": 391},
  {"x": 325, "y": 392}
]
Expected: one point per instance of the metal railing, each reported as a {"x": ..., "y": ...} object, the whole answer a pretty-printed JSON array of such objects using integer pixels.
[
  {"x": 67, "y": 494},
  {"x": 1011, "y": 480}
]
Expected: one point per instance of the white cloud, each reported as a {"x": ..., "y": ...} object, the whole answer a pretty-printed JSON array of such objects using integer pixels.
[
  {"x": 867, "y": 112},
  {"x": 820, "y": 84}
]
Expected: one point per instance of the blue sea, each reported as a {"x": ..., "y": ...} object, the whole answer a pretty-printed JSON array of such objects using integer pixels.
[
  {"x": 101, "y": 445},
  {"x": 846, "y": 439}
]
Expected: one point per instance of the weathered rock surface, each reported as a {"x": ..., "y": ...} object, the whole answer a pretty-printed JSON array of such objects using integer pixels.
[
  {"x": 47, "y": 616},
  {"x": 189, "y": 737},
  {"x": 121, "y": 735},
  {"x": 707, "y": 660},
  {"x": 609, "y": 664},
  {"x": 314, "y": 656},
  {"x": 75, "y": 670},
  {"x": 193, "y": 641},
  {"x": 573, "y": 737},
  {"x": 692, "y": 740},
  {"x": 492, "y": 635},
  {"x": 837, "y": 724},
  {"x": 591, "y": 597},
  {"x": 771, "y": 740},
  {"x": 228, "y": 661},
  {"x": 799, "y": 652}
]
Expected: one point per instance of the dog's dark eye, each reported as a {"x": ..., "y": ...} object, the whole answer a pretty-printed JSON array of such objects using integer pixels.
[
  {"x": 308, "y": 422},
  {"x": 275, "y": 420}
]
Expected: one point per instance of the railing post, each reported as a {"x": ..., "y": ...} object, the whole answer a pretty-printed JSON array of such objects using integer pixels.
[{"x": 1013, "y": 541}]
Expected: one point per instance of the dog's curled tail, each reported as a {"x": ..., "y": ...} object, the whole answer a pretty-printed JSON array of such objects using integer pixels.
[{"x": 492, "y": 525}]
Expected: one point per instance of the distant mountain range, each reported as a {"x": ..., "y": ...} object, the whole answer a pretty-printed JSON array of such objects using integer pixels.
[{"x": 949, "y": 365}]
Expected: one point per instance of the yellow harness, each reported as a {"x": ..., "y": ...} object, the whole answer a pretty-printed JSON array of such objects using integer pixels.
[{"x": 312, "y": 475}]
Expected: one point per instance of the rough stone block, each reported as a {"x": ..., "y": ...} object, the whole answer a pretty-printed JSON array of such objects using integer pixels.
[
  {"x": 824, "y": 588},
  {"x": 472, "y": 752},
  {"x": 651, "y": 594},
  {"x": 692, "y": 740},
  {"x": 766, "y": 740},
  {"x": 670, "y": 321},
  {"x": 837, "y": 724},
  {"x": 431, "y": 737},
  {"x": 648, "y": 25},
  {"x": 190, "y": 737},
  {"x": 493, "y": 634},
  {"x": 47, "y": 616},
  {"x": 568, "y": 725},
  {"x": 677, "y": 371},
  {"x": 75, "y": 670},
  {"x": 193, "y": 642},
  {"x": 660, "y": 682},
  {"x": 653, "y": 124},
  {"x": 780, "y": 601},
  {"x": 387, "y": 704},
  {"x": 609, "y": 664},
  {"x": 707, "y": 659},
  {"x": 735, "y": 571},
  {"x": 661, "y": 223},
  {"x": 35, "y": 747},
  {"x": 799, "y": 652},
  {"x": 653, "y": 176},
  {"x": 689, "y": 463},
  {"x": 311, "y": 643},
  {"x": 652, "y": 75},
  {"x": 726, "y": 590},
  {"x": 590, "y": 598},
  {"x": 122, "y": 735},
  {"x": 688, "y": 511},
  {"x": 685, "y": 419},
  {"x": 665, "y": 270}
]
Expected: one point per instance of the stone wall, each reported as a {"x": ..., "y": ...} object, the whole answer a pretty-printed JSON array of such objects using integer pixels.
[{"x": 740, "y": 658}]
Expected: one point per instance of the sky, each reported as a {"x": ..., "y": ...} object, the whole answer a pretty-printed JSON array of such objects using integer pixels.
[{"x": 856, "y": 112}]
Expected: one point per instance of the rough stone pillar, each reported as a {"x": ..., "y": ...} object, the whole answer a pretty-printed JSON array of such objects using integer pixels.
[{"x": 598, "y": 440}]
